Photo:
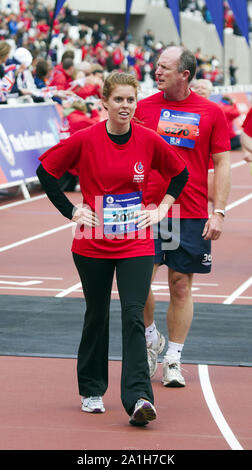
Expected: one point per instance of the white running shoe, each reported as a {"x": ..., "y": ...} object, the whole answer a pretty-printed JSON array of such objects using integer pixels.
[
  {"x": 143, "y": 413},
  {"x": 92, "y": 404},
  {"x": 172, "y": 376},
  {"x": 153, "y": 350}
]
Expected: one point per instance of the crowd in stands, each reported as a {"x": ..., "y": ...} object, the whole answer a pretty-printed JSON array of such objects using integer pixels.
[
  {"x": 199, "y": 9},
  {"x": 63, "y": 57},
  {"x": 67, "y": 63}
]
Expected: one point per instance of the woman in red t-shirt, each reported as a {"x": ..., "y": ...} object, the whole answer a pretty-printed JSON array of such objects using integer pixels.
[{"x": 114, "y": 158}]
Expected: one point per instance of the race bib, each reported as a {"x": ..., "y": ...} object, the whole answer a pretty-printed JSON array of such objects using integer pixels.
[
  {"x": 119, "y": 212},
  {"x": 179, "y": 127}
]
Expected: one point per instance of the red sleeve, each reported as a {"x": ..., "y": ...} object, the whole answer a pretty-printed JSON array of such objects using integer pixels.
[
  {"x": 220, "y": 140},
  {"x": 63, "y": 156},
  {"x": 247, "y": 124},
  {"x": 87, "y": 90},
  {"x": 58, "y": 80},
  {"x": 83, "y": 121},
  {"x": 231, "y": 112}
]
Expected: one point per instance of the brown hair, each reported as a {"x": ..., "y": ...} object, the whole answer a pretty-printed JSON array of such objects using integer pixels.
[
  {"x": 4, "y": 49},
  {"x": 118, "y": 78}
]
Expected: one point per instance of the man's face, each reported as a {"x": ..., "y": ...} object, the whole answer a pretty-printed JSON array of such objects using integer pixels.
[{"x": 166, "y": 73}]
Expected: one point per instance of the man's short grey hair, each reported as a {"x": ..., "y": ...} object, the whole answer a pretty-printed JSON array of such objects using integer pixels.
[{"x": 187, "y": 61}]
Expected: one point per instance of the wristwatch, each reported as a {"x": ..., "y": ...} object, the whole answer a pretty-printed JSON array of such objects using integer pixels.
[{"x": 219, "y": 211}]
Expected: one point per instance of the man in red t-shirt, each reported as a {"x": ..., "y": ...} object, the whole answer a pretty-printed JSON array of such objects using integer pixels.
[
  {"x": 62, "y": 75},
  {"x": 246, "y": 137},
  {"x": 198, "y": 129}
]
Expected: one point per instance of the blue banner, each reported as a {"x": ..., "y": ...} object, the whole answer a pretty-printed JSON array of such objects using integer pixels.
[
  {"x": 58, "y": 5},
  {"x": 174, "y": 6},
  {"x": 127, "y": 14},
  {"x": 216, "y": 9},
  {"x": 240, "y": 11},
  {"x": 25, "y": 133}
]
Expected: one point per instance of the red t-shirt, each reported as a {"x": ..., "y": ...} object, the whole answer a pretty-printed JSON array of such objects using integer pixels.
[
  {"x": 198, "y": 128},
  {"x": 60, "y": 78},
  {"x": 109, "y": 172},
  {"x": 79, "y": 120},
  {"x": 247, "y": 124},
  {"x": 231, "y": 112}
]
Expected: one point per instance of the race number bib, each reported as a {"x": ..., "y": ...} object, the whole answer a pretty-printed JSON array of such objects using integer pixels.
[
  {"x": 179, "y": 127},
  {"x": 119, "y": 212}
]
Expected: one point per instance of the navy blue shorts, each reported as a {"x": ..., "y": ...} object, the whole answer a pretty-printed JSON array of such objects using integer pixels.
[{"x": 179, "y": 245}]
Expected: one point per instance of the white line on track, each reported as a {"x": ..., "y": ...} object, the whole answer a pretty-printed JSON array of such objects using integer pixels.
[
  {"x": 238, "y": 202},
  {"x": 35, "y": 237},
  {"x": 69, "y": 290},
  {"x": 25, "y": 201},
  {"x": 30, "y": 288},
  {"x": 230, "y": 299},
  {"x": 215, "y": 410},
  {"x": 31, "y": 277},
  {"x": 22, "y": 283},
  {"x": 237, "y": 164}
]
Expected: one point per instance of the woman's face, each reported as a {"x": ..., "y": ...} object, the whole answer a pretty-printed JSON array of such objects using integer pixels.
[{"x": 121, "y": 105}]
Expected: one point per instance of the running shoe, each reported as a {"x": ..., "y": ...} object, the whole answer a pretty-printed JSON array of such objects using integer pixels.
[
  {"x": 92, "y": 404},
  {"x": 172, "y": 376},
  {"x": 143, "y": 413},
  {"x": 153, "y": 350}
]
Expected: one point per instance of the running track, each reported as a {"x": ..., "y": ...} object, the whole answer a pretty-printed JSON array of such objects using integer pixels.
[{"x": 38, "y": 411}]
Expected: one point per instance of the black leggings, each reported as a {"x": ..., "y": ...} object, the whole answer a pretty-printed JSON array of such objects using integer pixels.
[{"x": 133, "y": 281}]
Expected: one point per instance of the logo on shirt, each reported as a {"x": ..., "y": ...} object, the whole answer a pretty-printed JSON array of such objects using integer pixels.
[
  {"x": 166, "y": 114},
  {"x": 110, "y": 200},
  {"x": 138, "y": 172}
]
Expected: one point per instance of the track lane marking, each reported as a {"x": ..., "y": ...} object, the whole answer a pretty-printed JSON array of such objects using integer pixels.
[
  {"x": 214, "y": 409},
  {"x": 25, "y": 201},
  {"x": 36, "y": 237},
  {"x": 230, "y": 299},
  {"x": 8, "y": 276},
  {"x": 238, "y": 202},
  {"x": 69, "y": 290}
]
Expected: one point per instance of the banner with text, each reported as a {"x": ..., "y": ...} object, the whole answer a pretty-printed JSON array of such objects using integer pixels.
[{"x": 26, "y": 132}]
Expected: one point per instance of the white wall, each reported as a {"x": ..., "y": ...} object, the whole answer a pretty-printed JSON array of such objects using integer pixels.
[{"x": 108, "y": 6}]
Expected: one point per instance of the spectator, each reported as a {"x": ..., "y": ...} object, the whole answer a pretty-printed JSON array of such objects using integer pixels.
[
  {"x": 93, "y": 83},
  {"x": 7, "y": 74},
  {"x": 24, "y": 83},
  {"x": 202, "y": 87},
  {"x": 79, "y": 118},
  {"x": 118, "y": 56},
  {"x": 231, "y": 112},
  {"x": 232, "y": 70},
  {"x": 41, "y": 73},
  {"x": 63, "y": 75}
]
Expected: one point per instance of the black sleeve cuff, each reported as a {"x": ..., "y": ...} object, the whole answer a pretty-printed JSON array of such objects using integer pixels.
[{"x": 177, "y": 183}]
